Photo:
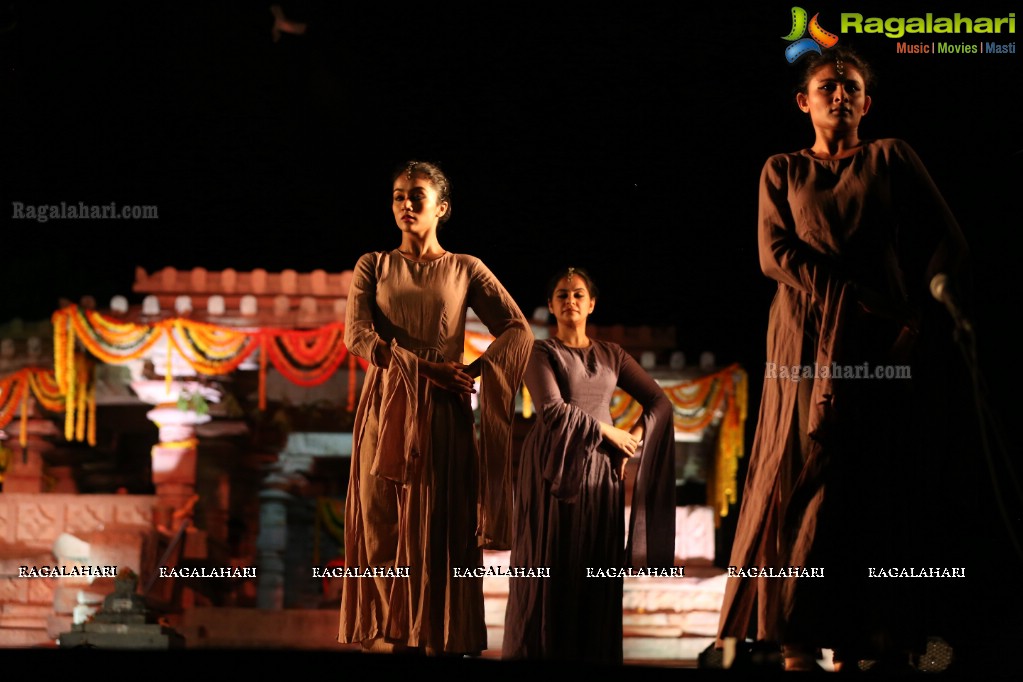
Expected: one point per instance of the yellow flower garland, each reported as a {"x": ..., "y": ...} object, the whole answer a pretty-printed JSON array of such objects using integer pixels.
[
  {"x": 309, "y": 357},
  {"x": 43, "y": 386},
  {"x": 695, "y": 403}
]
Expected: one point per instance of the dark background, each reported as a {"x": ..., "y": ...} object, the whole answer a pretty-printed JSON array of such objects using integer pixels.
[{"x": 626, "y": 140}]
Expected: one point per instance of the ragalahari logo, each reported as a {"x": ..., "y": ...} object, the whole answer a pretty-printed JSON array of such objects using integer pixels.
[{"x": 800, "y": 45}]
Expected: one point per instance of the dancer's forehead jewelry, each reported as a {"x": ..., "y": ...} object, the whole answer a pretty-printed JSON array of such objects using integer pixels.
[
  {"x": 409, "y": 168},
  {"x": 839, "y": 66}
]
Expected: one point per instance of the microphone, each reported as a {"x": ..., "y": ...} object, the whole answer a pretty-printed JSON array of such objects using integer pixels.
[{"x": 941, "y": 290}]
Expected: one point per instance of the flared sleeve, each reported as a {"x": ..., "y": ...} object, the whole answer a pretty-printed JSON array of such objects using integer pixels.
[
  {"x": 930, "y": 238},
  {"x": 652, "y": 517},
  {"x": 397, "y": 440},
  {"x": 565, "y": 434},
  {"x": 501, "y": 369},
  {"x": 398, "y": 436}
]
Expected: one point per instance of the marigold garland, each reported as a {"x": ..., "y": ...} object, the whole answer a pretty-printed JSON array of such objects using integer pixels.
[
  {"x": 691, "y": 417},
  {"x": 310, "y": 357},
  {"x": 91, "y": 435},
  {"x": 211, "y": 350},
  {"x": 695, "y": 404},
  {"x": 62, "y": 336},
  {"x": 186, "y": 444},
  {"x": 690, "y": 394},
  {"x": 263, "y": 342},
  {"x": 624, "y": 410},
  {"x": 306, "y": 358},
  {"x": 23, "y": 431},
  {"x": 70, "y": 397},
  {"x": 688, "y": 416},
  {"x": 730, "y": 448},
  {"x": 85, "y": 398},
  {"x": 731, "y": 441},
  {"x": 42, "y": 385},
  {"x": 12, "y": 388},
  {"x": 113, "y": 343}
]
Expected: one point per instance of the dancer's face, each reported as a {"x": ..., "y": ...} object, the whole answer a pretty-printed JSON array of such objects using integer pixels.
[
  {"x": 415, "y": 206},
  {"x": 571, "y": 303},
  {"x": 835, "y": 100}
]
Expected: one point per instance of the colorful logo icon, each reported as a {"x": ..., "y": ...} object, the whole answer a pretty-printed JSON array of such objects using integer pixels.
[{"x": 800, "y": 45}]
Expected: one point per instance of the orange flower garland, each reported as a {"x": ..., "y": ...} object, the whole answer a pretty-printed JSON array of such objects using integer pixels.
[
  {"x": 110, "y": 341},
  {"x": 696, "y": 403},
  {"x": 210, "y": 349},
  {"x": 623, "y": 408},
  {"x": 44, "y": 387},
  {"x": 307, "y": 358},
  {"x": 12, "y": 391},
  {"x": 731, "y": 445},
  {"x": 41, "y": 384}
]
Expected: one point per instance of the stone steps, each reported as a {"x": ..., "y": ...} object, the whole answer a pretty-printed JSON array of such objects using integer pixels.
[{"x": 666, "y": 621}]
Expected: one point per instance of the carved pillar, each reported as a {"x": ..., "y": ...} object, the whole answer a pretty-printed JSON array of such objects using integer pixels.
[
  {"x": 174, "y": 457},
  {"x": 272, "y": 543}
]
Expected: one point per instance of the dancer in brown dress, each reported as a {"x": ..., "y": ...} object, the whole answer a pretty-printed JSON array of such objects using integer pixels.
[
  {"x": 570, "y": 496},
  {"x": 426, "y": 493},
  {"x": 853, "y": 231}
]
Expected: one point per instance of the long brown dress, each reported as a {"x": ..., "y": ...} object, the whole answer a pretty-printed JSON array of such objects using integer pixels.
[
  {"x": 831, "y": 461},
  {"x": 570, "y": 503},
  {"x": 425, "y": 492}
]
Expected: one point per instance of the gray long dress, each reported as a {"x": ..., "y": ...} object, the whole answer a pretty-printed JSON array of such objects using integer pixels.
[{"x": 570, "y": 503}]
